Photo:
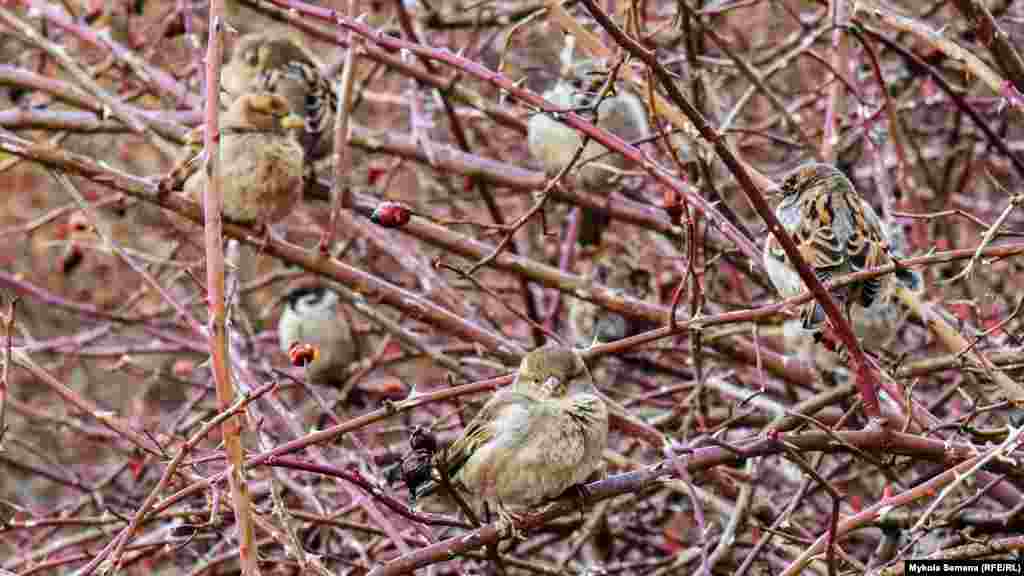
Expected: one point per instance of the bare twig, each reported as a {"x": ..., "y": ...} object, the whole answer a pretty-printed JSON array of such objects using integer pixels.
[
  {"x": 220, "y": 363},
  {"x": 6, "y": 370}
]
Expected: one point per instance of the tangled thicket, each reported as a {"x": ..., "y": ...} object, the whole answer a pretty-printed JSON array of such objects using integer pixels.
[{"x": 734, "y": 446}]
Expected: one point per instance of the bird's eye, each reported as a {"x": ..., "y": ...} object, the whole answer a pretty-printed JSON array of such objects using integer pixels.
[{"x": 251, "y": 58}]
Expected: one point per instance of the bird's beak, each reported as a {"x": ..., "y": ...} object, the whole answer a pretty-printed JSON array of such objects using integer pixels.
[{"x": 293, "y": 121}]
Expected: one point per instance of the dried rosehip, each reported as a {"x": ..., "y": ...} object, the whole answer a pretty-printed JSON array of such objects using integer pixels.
[
  {"x": 416, "y": 467},
  {"x": 391, "y": 215},
  {"x": 422, "y": 439}
]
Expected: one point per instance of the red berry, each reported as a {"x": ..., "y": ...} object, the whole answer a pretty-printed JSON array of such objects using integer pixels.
[
  {"x": 302, "y": 354},
  {"x": 391, "y": 215}
]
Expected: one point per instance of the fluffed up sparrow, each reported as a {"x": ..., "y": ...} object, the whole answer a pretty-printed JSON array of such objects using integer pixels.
[
  {"x": 837, "y": 233},
  {"x": 532, "y": 440},
  {"x": 620, "y": 112},
  {"x": 261, "y": 161}
]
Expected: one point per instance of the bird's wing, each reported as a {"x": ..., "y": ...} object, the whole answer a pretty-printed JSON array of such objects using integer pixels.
[
  {"x": 482, "y": 428},
  {"x": 816, "y": 236},
  {"x": 624, "y": 115},
  {"x": 867, "y": 246}
]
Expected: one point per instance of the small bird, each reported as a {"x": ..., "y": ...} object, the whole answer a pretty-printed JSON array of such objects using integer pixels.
[
  {"x": 311, "y": 316},
  {"x": 261, "y": 161},
  {"x": 876, "y": 326},
  {"x": 837, "y": 233},
  {"x": 618, "y": 270},
  {"x": 620, "y": 112},
  {"x": 278, "y": 64},
  {"x": 532, "y": 440}
]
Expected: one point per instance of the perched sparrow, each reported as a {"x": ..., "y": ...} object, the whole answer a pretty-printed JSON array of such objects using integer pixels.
[
  {"x": 836, "y": 231},
  {"x": 532, "y": 440},
  {"x": 311, "y": 317},
  {"x": 261, "y": 161},
  {"x": 876, "y": 326},
  {"x": 591, "y": 324},
  {"x": 620, "y": 112},
  {"x": 276, "y": 63}
]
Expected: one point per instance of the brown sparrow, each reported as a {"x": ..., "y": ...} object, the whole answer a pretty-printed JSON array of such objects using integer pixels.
[
  {"x": 590, "y": 324},
  {"x": 278, "y": 64},
  {"x": 621, "y": 112},
  {"x": 837, "y": 233},
  {"x": 261, "y": 161},
  {"x": 311, "y": 316},
  {"x": 533, "y": 439}
]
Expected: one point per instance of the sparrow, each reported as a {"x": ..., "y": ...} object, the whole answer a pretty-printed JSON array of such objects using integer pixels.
[
  {"x": 837, "y": 233},
  {"x": 619, "y": 111},
  {"x": 590, "y": 324},
  {"x": 532, "y": 440},
  {"x": 311, "y": 317},
  {"x": 261, "y": 161},
  {"x": 278, "y": 64},
  {"x": 876, "y": 326}
]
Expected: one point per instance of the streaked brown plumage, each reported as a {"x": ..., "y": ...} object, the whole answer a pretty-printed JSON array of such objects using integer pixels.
[
  {"x": 278, "y": 64},
  {"x": 618, "y": 269},
  {"x": 836, "y": 231}
]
